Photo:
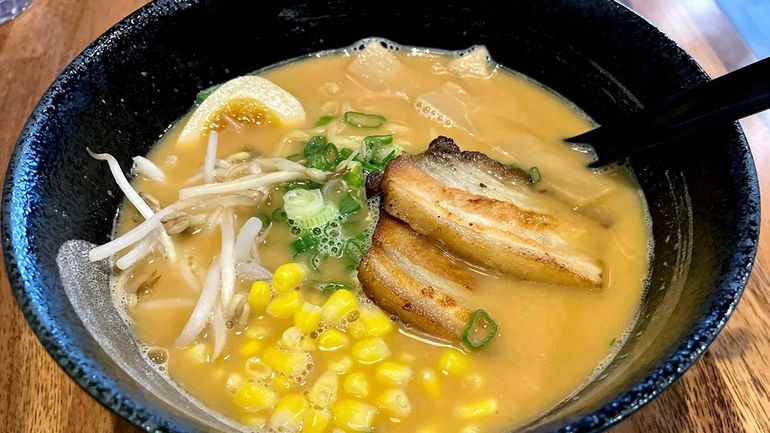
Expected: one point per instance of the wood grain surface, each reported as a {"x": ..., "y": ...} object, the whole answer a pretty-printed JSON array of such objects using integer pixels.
[{"x": 726, "y": 391}]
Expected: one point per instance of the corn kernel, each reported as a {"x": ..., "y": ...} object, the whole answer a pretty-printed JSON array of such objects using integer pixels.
[
  {"x": 291, "y": 339},
  {"x": 288, "y": 277},
  {"x": 393, "y": 374},
  {"x": 354, "y": 415},
  {"x": 395, "y": 402},
  {"x": 285, "y": 305},
  {"x": 339, "y": 305},
  {"x": 324, "y": 390},
  {"x": 479, "y": 409},
  {"x": 332, "y": 339},
  {"x": 341, "y": 365},
  {"x": 308, "y": 317},
  {"x": 234, "y": 382},
  {"x": 430, "y": 382},
  {"x": 289, "y": 413},
  {"x": 452, "y": 362},
  {"x": 357, "y": 330},
  {"x": 197, "y": 352},
  {"x": 370, "y": 350},
  {"x": 257, "y": 368},
  {"x": 284, "y": 362},
  {"x": 259, "y": 295},
  {"x": 356, "y": 384},
  {"x": 257, "y": 332},
  {"x": 316, "y": 421},
  {"x": 253, "y": 397},
  {"x": 282, "y": 383},
  {"x": 376, "y": 322},
  {"x": 250, "y": 348}
]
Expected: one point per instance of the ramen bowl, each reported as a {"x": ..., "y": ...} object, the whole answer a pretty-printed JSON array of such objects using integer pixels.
[{"x": 126, "y": 88}]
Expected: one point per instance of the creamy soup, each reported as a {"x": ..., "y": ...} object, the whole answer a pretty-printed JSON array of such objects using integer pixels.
[{"x": 299, "y": 347}]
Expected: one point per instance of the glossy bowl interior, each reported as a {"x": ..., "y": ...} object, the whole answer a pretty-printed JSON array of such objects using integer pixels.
[{"x": 132, "y": 83}]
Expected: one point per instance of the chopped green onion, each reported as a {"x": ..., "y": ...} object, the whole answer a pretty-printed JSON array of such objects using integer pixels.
[
  {"x": 307, "y": 208},
  {"x": 315, "y": 262},
  {"x": 329, "y": 287},
  {"x": 354, "y": 177},
  {"x": 331, "y": 155},
  {"x": 278, "y": 215},
  {"x": 323, "y": 120},
  {"x": 303, "y": 244},
  {"x": 349, "y": 204},
  {"x": 480, "y": 330},
  {"x": 374, "y": 142},
  {"x": 300, "y": 184},
  {"x": 612, "y": 343},
  {"x": 314, "y": 145},
  {"x": 534, "y": 175},
  {"x": 516, "y": 166},
  {"x": 205, "y": 93},
  {"x": 296, "y": 157},
  {"x": 344, "y": 154},
  {"x": 353, "y": 250},
  {"x": 363, "y": 120}
]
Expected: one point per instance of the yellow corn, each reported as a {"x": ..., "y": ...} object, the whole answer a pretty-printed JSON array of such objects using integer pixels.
[
  {"x": 478, "y": 409},
  {"x": 357, "y": 330},
  {"x": 430, "y": 382},
  {"x": 285, "y": 362},
  {"x": 376, "y": 322},
  {"x": 259, "y": 295},
  {"x": 291, "y": 339},
  {"x": 354, "y": 415},
  {"x": 288, "y": 276},
  {"x": 282, "y": 383},
  {"x": 285, "y": 305},
  {"x": 255, "y": 367},
  {"x": 452, "y": 362},
  {"x": 253, "y": 397},
  {"x": 234, "y": 382},
  {"x": 316, "y": 421},
  {"x": 324, "y": 390},
  {"x": 341, "y": 365},
  {"x": 332, "y": 339},
  {"x": 250, "y": 348},
  {"x": 393, "y": 374},
  {"x": 339, "y": 305},
  {"x": 395, "y": 402},
  {"x": 356, "y": 384},
  {"x": 257, "y": 332},
  {"x": 308, "y": 317},
  {"x": 289, "y": 413},
  {"x": 370, "y": 350}
]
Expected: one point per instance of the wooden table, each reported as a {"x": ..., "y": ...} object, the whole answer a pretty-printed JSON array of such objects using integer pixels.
[{"x": 726, "y": 391}]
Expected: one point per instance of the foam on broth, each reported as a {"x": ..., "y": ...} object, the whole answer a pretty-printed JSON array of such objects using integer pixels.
[{"x": 551, "y": 339}]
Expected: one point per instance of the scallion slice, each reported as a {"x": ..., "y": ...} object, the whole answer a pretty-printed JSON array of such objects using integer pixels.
[
  {"x": 308, "y": 208},
  {"x": 534, "y": 175},
  {"x": 323, "y": 120},
  {"x": 303, "y": 244},
  {"x": 205, "y": 93},
  {"x": 349, "y": 204},
  {"x": 314, "y": 145},
  {"x": 363, "y": 120},
  {"x": 480, "y": 330}
]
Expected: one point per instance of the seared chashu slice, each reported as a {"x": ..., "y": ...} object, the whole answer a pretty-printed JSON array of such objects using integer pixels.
[
  {"x": 486, "y": 213},
  {"x": 408, "y": 275}
]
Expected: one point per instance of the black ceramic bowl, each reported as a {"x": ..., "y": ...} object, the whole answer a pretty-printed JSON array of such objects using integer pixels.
[{"x": 124, "y": 90}]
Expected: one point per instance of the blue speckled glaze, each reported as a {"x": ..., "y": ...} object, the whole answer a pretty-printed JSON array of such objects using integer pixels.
[{"x": 122, "y": 92}]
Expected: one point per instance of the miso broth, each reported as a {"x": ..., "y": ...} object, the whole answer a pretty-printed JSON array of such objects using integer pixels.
[{"x": 550, "y": 339}]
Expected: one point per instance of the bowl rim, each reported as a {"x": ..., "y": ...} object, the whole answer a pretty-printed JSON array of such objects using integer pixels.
[{"x": 727, "y": 292}]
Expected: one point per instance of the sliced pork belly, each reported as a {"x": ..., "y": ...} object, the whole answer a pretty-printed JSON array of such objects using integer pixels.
[
  {"x": 408, "y": 275},
  {"x": 488, "y": 214}
]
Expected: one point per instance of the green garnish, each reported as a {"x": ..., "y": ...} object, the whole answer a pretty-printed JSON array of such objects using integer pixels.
[
  {"x": 300, "y": 184},
  {"x": 331, "y": 155},
  {"x": 480, "y": 330},
  {"x": 205, "y": 93},
  {"x": 329, "y": 287},
  {"x": 323, "y": 120},
  {"x": 373, "y": 142},
  {"x": 354, "y": 177},
  {"x": 353, "y": 250},
  {"x": 534, "y": 175},
  {"x": 349, "y": 204},
  {"x": 363, "y": 120},
  {"x": 612, "y": 343},
  {"x": 314, "y": 145},
  {"x": 308, "y": 208},
  {"x": 296, "y": 157},
  {"x": 345, "y": 153},
  {"x": 303, "y": 244}
]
